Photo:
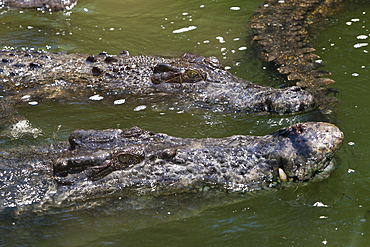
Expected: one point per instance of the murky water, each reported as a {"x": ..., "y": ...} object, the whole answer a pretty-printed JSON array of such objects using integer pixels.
[{"x": 210, "y": 28}]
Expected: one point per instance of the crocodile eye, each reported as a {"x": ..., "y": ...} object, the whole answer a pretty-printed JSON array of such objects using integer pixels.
[
  {"x": 191, "y": 73},
  {"x": 124, "y": 158}
]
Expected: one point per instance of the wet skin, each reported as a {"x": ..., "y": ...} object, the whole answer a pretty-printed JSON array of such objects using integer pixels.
[
  {"x": 51, "y": 5},
  {"x": 195, "y": 80},
  {"x": 138, "y": 157},
  {"x": 136, "y": 162}
]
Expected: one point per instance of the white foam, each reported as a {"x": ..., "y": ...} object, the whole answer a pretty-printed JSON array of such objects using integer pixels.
[{"x": 184, "y": 29}]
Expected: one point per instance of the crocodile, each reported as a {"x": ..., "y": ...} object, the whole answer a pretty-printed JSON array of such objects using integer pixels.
[
  {"x": 281, "y": 35},
  {"x": 203, "y": 79},
  {"x": 194, "y": 81},
  {"x": 50, "y": 5},
  {"x": 95, "y": 163},
  {"x": 136, "y": 162}
]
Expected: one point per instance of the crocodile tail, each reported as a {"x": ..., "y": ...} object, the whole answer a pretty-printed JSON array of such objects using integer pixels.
[{"x": 281, "y": 34}]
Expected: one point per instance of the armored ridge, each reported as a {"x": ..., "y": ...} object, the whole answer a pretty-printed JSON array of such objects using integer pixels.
[
  {"x": 137, "y": 162},
  {"x": 282, "y": 35},
  {"x": 44, "y": 4},
  {"x": 195, "y": 80}
]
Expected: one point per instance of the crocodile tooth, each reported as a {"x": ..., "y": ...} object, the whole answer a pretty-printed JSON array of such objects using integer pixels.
[{"x": 282, "y": 175}]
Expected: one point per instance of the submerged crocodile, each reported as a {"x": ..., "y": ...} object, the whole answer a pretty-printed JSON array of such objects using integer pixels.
[
  {"x": 202, "y": 79},
  {"x": 43, "y": 4},
  {"x": 138, "y": 162},
  {"x": 281, "y": 33},
  {"x": 194, "y": 81}
]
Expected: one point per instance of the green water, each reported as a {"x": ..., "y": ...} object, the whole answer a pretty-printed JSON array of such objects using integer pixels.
[{"x": 286, "y": 217}]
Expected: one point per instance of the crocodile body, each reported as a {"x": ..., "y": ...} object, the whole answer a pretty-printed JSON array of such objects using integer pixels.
[
  {"x": 43, "y": 4},
  {"x": 194, "y": 81},
  {"x": 282, "y": 34},
  {"x": 137, "y": 162}
]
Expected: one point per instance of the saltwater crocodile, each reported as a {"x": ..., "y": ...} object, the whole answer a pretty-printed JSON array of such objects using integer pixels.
[
  {"x": 97, "y": 162},
  {"x": 282, "y": 34},
  {"x": 138, "y": 162},
  {"x": 42, "y": 4},
  {"x": 42, "y": 75},
  {"x": 194, "y": 81}
]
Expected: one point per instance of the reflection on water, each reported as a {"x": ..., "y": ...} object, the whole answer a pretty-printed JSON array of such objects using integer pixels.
[{"x": 209, "y": 28}]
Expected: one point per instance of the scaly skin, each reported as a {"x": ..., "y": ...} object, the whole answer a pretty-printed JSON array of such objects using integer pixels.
[
  {"x": 281, "y": 33},
  {"x": 137, "y": 162},
  {"x": 203, "y": 81},
  {"x": 192, "y": 81},
  {"x": 44, "y": 4}
]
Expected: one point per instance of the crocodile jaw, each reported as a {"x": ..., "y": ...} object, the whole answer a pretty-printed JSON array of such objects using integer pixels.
[{"x": 315, "y": 157}]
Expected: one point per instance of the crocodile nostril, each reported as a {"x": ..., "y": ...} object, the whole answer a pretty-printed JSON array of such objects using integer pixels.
[
  {"x": 168, "y": 153},
  {"x": 295, "y": 89}
]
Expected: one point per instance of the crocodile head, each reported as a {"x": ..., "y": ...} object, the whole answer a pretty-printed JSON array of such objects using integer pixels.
[
  {"x": 305, "y": 150},
  {"x": 216, "y": 84}
]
